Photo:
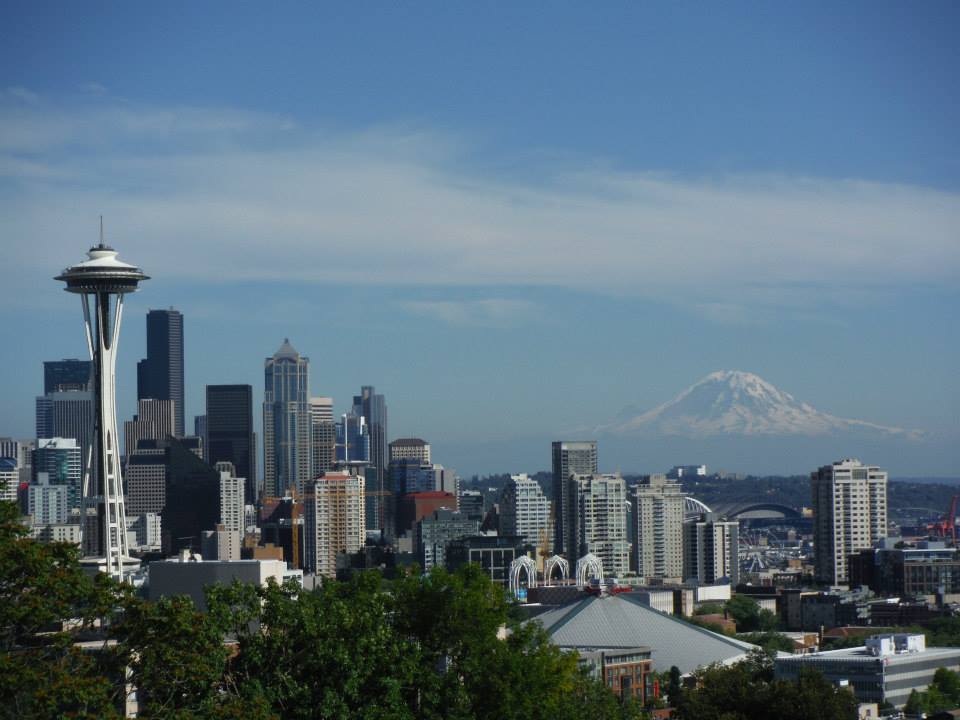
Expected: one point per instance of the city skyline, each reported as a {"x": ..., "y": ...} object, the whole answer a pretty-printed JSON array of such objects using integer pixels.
[{"x": 774, "y": 191}]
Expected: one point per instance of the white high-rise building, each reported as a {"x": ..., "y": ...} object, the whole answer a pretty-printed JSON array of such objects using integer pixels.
[
  {"x": 47, "y": 504},
  {"x": 600, "y": 520},
  {"x": 9, "y": 479},
  {"x": 711, "y": 550},
  {"x": 525, "y": 511},
  {"x": 333, "y": 521},
  {"x": 850, "y": 514},
  {"x": 228, "y": 535},
  {"x": 658, "y": 525}
]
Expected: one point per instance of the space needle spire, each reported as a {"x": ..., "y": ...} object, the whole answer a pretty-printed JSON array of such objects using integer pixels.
[{"x": 101, "y": 281}]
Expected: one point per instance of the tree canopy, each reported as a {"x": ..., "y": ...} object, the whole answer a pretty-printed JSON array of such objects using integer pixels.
[{"x": 429, "y": 647}]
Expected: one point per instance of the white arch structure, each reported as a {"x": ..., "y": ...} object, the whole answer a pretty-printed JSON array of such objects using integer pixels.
[
  {"x": 693, "y": 508},
  {"x": 589, "y": 566},
  {"x": 554, "y": 562},
  {"x": 522, "y": 563}
]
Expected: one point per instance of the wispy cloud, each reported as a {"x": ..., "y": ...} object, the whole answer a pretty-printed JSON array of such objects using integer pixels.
[
  {"x": 255, "y": 196},
  {"x": 489, "y": 312}
]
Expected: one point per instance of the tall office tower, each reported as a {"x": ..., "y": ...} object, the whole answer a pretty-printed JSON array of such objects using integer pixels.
[
  {"x": 167, "y": 477},
  {"x": 409, "y": 448},
  {"x": 569, "y": 458},
  {"x": 600, "y": 520},
  {"x": 154, "y": 421},
  {"x": 323, "y": 435},
  {"x": 66, "y": 375},
  {"x": 61, "y": 461},
  {"x": 9, "y": 479},
  {"x": 373, "y": 408},
  {"x": 160, "y": 374},
  {"x": 286, "y": 422},
  {"x": 710, "y": 550},
  {"x": 67, "y": 414},
  {"x": 229, "y": 433},
  {"x": 850, "y": 514},
  {"x": 525, "y": 511},
  {"x": 105, "y": 280},
  {"x": 658, "y": 527},
  {"x": 333, "y": 521}
]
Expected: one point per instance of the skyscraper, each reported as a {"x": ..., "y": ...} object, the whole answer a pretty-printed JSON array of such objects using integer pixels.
[
  {"x": 373, "y": 408},
  {"x": 600, "y": 520},
  {"x": 525, "y": 511},
  {"x": 229, "y": 433},
  {"x": 569, "y": 458},
  {"x": 850, "y": 514},
  {"x": 154, "y": 421},
  {"x": 711, "y": 550},
  {"x": 160, "y": 374},
  {"x": 66, "y": 375},
  {"x": 658, "y": 526},
  {"x": 324, "y": 435},
  {"x": 333, "y": 521},
  {"x": 66, "y": 413},
  {"x": 286, "y": 422},
  {"x": 60, "y": 461},
  {"x": 105, "y": 280}
]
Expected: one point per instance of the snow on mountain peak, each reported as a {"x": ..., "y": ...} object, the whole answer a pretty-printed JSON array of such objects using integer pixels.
[{"x": 740, "y": 403}]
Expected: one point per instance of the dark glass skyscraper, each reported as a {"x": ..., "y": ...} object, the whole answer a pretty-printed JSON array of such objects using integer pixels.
[
  {"x": 373, "y": 408},
  {"x": 229, "y": 432},
  {"x": 160, "y": 374},
  {"x": 66, "y": 375}
]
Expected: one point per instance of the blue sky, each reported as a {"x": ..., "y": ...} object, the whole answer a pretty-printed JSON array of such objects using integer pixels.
[{"x": 512, "y": 221}]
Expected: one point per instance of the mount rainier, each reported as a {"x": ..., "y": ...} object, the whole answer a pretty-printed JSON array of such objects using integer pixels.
[{"x": 733, "y": 402}]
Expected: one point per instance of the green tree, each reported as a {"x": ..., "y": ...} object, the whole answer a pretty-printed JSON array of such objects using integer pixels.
[
  {"x": 770, "y": 641},
  {"x": 46, "y": 604},
  {"x": 749, "y": 617}
]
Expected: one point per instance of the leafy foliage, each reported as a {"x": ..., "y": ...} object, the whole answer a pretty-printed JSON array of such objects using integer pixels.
[
  {"x": 747, "y": 690},
  {"x": 749, "y": 616}
]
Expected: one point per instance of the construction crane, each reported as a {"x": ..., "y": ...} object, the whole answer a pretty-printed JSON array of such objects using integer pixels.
[{"x": 947, "y": 526}]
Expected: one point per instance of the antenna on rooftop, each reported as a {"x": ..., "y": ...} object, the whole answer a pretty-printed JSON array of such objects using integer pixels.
[{"x": 101, "y": 231}]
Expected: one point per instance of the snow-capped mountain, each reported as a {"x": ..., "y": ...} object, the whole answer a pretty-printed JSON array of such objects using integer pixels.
[{"x": 733, "y": 402}]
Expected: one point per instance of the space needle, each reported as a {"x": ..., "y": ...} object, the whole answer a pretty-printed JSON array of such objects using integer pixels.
[{"x": 101, "y": 281}]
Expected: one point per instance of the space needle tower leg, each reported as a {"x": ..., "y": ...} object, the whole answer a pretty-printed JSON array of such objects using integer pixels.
[{"x": 101, "y": 282}]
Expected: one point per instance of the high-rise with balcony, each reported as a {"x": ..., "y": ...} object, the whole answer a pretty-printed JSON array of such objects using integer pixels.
[
  {"x": 569, "y": 457},
  {"x": 658, "y": 525},
  {"x": 160, "y": 374},
  {"x": 850, "y": 514},
  {"x": 286, "y": 422},
  {"x": 333, "y": 521},
  {"x": 600, "y": 520}
]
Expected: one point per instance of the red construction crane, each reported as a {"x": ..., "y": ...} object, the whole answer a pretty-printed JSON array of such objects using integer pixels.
[{"x": 947, "y": 526}]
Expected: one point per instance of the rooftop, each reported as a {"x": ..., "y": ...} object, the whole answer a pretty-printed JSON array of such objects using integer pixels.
[{"x": 622, "y": 621}]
